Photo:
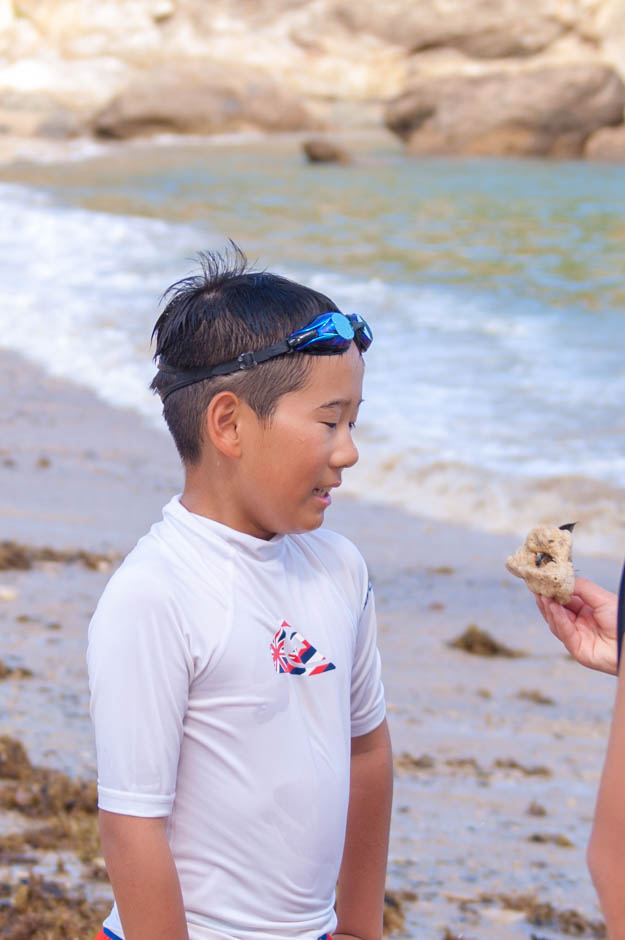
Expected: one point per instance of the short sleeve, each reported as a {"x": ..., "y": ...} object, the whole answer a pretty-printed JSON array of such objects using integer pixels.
[
  {"x": 139, "y": 675},
  {"x": 367, "y": 692}
]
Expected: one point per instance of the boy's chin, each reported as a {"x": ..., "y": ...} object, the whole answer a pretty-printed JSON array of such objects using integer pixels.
[
  {"x": 303, "y": 524},
  {"x": 316, "y": 522}
]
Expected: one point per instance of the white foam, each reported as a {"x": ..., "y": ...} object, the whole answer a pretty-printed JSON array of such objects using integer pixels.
[{"x": 79, "y": 290}]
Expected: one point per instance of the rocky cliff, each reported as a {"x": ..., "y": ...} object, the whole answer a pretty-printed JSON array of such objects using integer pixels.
[{"x": 450, "y": 76}]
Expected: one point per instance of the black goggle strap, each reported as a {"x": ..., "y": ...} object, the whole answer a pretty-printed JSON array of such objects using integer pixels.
[
  {"x": 620, "y": 620},
  {"x": 245, "y": 361}
]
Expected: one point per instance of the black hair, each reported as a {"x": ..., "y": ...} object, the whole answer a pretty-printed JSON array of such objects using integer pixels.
[{"x": 212, "y": 317}]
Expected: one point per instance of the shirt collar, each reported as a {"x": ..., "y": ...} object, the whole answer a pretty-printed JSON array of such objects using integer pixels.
[{"x": 209, "y": 529}]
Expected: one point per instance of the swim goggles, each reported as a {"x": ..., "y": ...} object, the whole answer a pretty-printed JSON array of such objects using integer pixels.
[{"x": 328, "y": 334}]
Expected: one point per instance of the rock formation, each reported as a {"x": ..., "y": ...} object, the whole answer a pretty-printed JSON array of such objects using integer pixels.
[
  {"x": 518, "y": 72},
  {"x": 482, "y": 29},
  {"x": 607, "y": 144},
  {"x": 549, "y": 111},
  {"x": 200, "y": 100}
]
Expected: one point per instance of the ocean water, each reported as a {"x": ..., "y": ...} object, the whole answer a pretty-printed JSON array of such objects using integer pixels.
[{"x": 495, "y": 391}]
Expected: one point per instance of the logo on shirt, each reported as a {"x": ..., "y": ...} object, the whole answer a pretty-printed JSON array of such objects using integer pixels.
[{"x": 292, "y": 654}]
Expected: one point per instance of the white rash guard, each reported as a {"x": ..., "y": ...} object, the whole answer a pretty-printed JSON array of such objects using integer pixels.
[{"x": 228, "y": 675}]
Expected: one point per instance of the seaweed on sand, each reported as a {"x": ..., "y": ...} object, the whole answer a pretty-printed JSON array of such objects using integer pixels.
[
  {"x": 14, "y": 672},
  {"x": 39, "y": 909},
  {"x": 16, "y": 556},
  {"x": 478, "y": 642},
  {"x": 536, "y": 696},
  {"x": 68, "y": 806},
  {"x": 394, "y": 914},
  {"x": 531, "y": 770},
  {"x": 40, "y": 791},
  {"x": 542, "y": 914},
  {"x": 551, "y": 838},
  {"x": 405, "y": 761}
]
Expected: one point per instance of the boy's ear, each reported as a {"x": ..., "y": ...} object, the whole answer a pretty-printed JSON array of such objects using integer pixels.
[{"x": 222, "y": 423}]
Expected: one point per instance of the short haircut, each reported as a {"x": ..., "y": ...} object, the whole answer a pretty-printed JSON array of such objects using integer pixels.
[{"x": 212, "y": 317}]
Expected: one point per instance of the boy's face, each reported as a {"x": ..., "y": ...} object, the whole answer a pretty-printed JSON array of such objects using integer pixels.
[{"x": 289, "y": 466}]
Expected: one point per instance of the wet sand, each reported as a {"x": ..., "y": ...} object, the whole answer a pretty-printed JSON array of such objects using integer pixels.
[{"x": 478, "y": 741}]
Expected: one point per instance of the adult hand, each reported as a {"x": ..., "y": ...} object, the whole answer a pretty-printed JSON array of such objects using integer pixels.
[{"x": 586, "y": 625}]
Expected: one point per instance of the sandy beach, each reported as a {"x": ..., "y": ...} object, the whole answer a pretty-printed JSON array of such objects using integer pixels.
[{"x": 497, "y": 758}]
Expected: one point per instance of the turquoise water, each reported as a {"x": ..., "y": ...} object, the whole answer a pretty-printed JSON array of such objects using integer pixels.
[{"x": 496, "y": 291}]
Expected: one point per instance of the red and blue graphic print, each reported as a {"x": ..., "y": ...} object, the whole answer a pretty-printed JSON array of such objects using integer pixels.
[{"x": 294, "y": 655}]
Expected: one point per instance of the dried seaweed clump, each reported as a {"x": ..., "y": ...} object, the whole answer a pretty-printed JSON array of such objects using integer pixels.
[
  {"x": 544, "y": 914},
  {"x": 39, "y": 909},
  {"x": 14, "y": 672},
  {"x": 15, "y": 556},
  {"x": 405, "y": 761},
  {"x": 40, "y": 791},
  {"x": 394, "y": 915},
  {"x": 66, "y": 810},
  {"x": 14, "y": 762},
  {"x": 533, "y": 770},
  {"x": 551, "y": 838},
  {"x": 478, "y": 642},
  {"x": 536, "y": 696}
]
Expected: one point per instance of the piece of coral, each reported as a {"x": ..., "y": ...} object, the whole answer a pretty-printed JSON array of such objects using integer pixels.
[{"x": 544, "y": 562}]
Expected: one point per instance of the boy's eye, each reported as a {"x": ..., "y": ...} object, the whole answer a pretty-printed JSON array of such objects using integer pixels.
[{"x": 332, "y": 425}]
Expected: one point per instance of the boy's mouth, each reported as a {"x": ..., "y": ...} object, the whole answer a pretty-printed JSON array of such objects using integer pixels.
[{"x": 323, "y": 493}]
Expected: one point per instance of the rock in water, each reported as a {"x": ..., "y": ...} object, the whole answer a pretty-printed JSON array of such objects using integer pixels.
[
  {"x": 544, "y": 562},
  {"x": 318, "y": 150}
]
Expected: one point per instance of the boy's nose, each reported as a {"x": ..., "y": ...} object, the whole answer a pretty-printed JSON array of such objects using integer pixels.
[{"x": 346, "y": 455}]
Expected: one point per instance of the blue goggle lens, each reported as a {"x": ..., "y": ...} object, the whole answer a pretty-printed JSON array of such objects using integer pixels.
[{"x": 332, "y": 332}]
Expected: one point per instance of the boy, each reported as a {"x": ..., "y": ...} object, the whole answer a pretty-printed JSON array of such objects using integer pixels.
[{"x": 232, "y": 658}]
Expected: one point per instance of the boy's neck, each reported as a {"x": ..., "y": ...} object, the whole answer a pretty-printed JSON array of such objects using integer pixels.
[{"x": 216, "y": 503}]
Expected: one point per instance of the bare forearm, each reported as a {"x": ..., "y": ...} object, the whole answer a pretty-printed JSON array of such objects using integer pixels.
[
  {"x": 360, "y": 895},
  {"x": 605, "y": 869},
  {"x": 605, "y": 860},
  {"x": 605, "y": 852},
  {"x": 144, "y": 877}
]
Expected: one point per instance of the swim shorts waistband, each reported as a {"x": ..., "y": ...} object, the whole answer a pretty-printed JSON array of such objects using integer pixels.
[{"x": 106, "y": 934}]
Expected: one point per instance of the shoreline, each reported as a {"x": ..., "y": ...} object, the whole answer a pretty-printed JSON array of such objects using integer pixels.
[
  {"x": 16, "y": 150},
  {"x": 468, "y": 732}
]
